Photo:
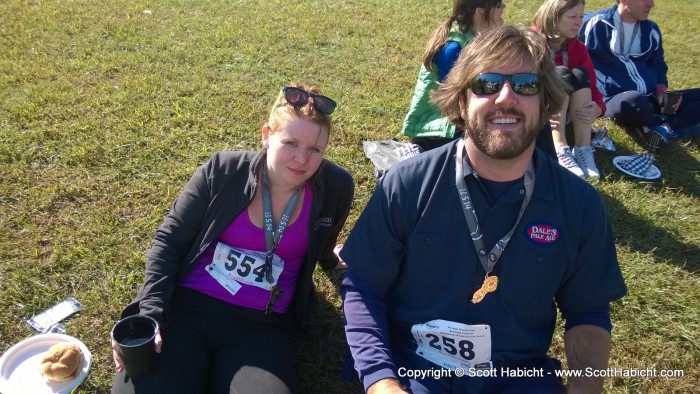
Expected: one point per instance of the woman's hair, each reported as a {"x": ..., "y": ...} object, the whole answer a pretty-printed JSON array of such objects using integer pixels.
[
  {"x": 549, "y": 14},
  {"x": 462, "y": 13},
  {"x": 282, "y": 111},
  {"x": 500, "y": 47}
]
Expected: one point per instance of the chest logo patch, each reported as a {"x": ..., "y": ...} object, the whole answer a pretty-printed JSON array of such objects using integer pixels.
[{"x": 542, "y": 233}]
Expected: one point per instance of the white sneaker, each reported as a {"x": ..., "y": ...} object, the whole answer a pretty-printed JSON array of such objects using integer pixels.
[
  {"x": 585, "y": 160},
  {"x": 566, "y": 159}
]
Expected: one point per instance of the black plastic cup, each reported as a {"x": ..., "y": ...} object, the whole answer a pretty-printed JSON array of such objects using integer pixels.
[
  {"x": 670, "y": 99},
  {"x": 136, "y": 338}
]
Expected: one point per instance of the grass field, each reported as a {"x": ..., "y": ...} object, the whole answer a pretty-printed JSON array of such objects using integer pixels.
[{"x": 107, "y": 108}]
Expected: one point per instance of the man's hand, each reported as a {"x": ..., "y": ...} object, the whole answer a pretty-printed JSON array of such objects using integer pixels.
[
  {"x": 587, "y": 346},
  {"x": 386, "y": 386},
  {"x": 660, "y": 99},
  {"x": 677, "y": 105}
]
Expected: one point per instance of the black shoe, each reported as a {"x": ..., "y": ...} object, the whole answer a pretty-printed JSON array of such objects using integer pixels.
[{"x": 648, "y": 139}]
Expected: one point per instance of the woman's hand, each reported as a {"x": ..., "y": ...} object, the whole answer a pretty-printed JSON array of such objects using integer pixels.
[
  {"x": 119, "y": 362},
  {"x": 341, "y": 264},
  {"x": 588, "y": 112}
]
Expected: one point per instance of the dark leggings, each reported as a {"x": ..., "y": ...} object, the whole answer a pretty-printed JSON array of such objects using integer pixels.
[
  {"x": 210, "y": 346},
  {"x": 634, "y": 108}
]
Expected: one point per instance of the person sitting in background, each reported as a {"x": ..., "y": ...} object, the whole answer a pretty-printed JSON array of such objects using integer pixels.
[
  {"x": 223, "y": 283},
  {"x": 424, "y": 123},
  {"x": 627, "y": 53},
  {"x": 559, "y": 21}
]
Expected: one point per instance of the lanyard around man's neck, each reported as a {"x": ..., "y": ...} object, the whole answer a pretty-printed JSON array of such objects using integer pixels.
[
  {"x": 488, "y": 259},
  {"x": 635, "y": 31}
]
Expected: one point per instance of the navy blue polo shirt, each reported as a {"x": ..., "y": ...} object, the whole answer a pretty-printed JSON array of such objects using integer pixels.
[{"x": 411, "y": 261}]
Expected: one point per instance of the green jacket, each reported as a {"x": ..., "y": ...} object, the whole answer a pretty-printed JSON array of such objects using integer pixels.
[{"x": 423, "y": 119}]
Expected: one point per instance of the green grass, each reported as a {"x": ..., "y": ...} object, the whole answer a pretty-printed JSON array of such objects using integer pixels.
[{"x": 106, "y": 110}]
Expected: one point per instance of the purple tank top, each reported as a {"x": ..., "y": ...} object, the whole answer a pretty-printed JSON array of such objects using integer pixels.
[{"x": 231, "y": 268}]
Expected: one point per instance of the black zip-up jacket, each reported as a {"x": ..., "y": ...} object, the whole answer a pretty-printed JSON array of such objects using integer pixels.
[{"x": 217, "y": 193}]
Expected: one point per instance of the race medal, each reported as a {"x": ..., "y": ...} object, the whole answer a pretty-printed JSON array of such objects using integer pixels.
[{"x": 490, "y": 284}]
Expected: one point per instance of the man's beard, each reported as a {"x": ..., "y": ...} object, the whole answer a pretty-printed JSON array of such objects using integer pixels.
[{"x": 499, "y": 145}]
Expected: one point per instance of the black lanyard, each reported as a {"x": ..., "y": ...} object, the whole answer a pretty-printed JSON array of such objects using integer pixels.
[
  {"x": 635, "y": 31},
  {"x": 272, "y": 236},
  {"x": 463, "y": 169}
]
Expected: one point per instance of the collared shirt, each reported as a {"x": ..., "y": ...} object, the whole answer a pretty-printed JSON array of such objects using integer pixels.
[{"x": 411, "y": 260}]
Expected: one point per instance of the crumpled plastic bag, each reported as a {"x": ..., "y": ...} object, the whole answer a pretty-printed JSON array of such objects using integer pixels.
[
  {"x": 601, "y": 140},
  {"x": 384, "y": 154}
]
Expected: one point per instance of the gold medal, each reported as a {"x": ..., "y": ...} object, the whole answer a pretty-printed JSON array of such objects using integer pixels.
[{"x": 490, "y": 284}]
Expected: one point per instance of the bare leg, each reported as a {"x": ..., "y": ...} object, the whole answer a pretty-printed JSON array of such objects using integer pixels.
[
  {"x": 559, "y": 128},
  {"x": 564, "y": 155},
  {"x": 583, "y": 152},
  {"x": 582, "y": 128}
]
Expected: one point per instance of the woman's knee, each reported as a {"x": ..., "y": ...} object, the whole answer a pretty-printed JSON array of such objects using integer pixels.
[
  {"x": 257, "y": 365},
  {"x": 252, "y": 379},
  {"x": 577, "y": 78},
  {"x": 565, "y": 74},
  {"x": 581, "y": 78}
]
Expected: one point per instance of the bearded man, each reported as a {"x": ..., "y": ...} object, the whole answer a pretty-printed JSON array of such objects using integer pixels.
[{"x": 463, "y": 254}]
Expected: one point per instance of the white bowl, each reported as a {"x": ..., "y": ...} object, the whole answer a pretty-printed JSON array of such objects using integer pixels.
[{"x": 20, "y": 368}]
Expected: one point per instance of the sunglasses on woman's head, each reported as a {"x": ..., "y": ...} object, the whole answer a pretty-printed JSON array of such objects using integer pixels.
[
  {"x": 298, "y": 97},
  {"x": 491, "y": 83}
]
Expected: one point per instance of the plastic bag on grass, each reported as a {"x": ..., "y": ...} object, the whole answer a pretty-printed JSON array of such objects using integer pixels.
[
  {"x": 384, "y": 154},
  {"x": 601, "y": 140}
]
